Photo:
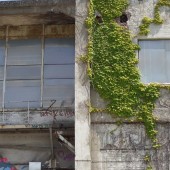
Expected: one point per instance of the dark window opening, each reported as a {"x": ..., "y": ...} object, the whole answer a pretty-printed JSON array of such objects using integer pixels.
[{"x": 123, "y": 18}]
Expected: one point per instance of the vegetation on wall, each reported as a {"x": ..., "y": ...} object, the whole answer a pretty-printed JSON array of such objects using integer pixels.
[
  {"x": 144, "y": 27},
  {"x": 112, "y": 67}
]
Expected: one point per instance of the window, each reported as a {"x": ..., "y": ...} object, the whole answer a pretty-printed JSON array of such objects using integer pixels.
[
  {"x": 154, "y": 61},
  {"x": 36, "y": 72}
]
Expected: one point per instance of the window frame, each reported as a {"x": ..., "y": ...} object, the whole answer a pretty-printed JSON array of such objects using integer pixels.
[
  {"x": 138, "y": 57},
  {"x": 42, "y": 40}
]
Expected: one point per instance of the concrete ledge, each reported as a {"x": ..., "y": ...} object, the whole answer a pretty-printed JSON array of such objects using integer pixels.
[{"x": 27, "y": 3}]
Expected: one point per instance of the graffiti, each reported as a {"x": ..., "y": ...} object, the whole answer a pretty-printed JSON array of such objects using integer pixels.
[
  {"x": 56, "y": 113},
  {"x": 66, "y": 156},
  {"x": 8, "y": 166},
  {"x": 5, "y": 165},
  {"x": 3, "y": 160}
]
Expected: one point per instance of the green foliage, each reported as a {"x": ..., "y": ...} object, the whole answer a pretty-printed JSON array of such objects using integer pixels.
[
  {"x": 112, "y": 67},
  {"x": 144, "y": 27},
  {"x": 116, "y": 78},
  {"x": 110, "y": 9},
  {"x": 149, "y": 167},
  {"x": 147, "y": 159}
]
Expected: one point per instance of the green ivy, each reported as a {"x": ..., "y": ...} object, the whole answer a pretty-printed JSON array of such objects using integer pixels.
[
  {"x": 147, "y": 160},
  {"x": 112, "y": 67},
  {"x": 144, "y": 27}
]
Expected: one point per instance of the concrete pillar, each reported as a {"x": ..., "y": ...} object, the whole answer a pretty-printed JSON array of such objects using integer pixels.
[{"x": 82, "y": 91}]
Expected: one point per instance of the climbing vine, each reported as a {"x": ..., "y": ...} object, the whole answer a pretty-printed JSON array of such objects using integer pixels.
[
  {"x": 147, "y": 160},
  {"x": 112, "y": 67},
  {"x": 144, "y": 27}
]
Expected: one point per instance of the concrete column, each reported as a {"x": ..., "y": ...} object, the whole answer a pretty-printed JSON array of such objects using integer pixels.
[{"x": 82, "y": 91}]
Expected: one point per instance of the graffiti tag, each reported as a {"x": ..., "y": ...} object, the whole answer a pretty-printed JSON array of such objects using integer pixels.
[{"x": 56, "y": 113}]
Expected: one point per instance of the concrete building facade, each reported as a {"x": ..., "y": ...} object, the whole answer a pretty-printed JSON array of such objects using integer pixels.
[
  {"x": 37, "y": 84},
  {"x": 48, "y": 119}
]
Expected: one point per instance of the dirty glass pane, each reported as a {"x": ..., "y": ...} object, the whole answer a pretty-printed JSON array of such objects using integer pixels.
[
  {"x": 59, "y": 51},
  {"x": 1, "y": 73},
  {"x": 1, "y": 93},
  {"x": 23, "y": 72},
  {"x": 58, "y": 71},
  {"x": 154, "y": 61},
  {"x": 18, "y": 93},
  {"x": 59, "y": 89},
  {"x": 24, "y": 52},
  {"x": 2, "y": 53},
  {"x": 59, "y": 55}
]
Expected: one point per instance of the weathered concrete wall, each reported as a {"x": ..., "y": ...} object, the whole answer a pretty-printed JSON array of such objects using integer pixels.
[
  {"x": 141, "y": 9},
  {"x": 37, "y": 6},
  {"x": 55, "y": 117},
  {"x": 124, "y": 147},
  {"x": 82, "y": 92},
  {"x": 35, "y": 12}
]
